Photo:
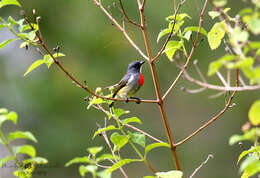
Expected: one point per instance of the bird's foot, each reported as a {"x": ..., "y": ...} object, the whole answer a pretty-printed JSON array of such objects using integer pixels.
[
  {"x": 138, "y": 100},
  {"x": 127, "y": 100}
]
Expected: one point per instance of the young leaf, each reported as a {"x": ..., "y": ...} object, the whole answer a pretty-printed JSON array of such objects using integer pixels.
[
  {"x": 120, "y": 164},
  {"x": 195, "y": 29},
  {"x": 35, "y": 160},
  {"x": 216, "y": 65},
  {"x": 48, "y": 59},
  {"x": 9, "y": 2},
  {"x": 250, "y": 166},
  {"x": 11, "y": 21},
  {"x": 216, "y": 34},
  {"x": 4, "y": 43},
  {"x": 171, "y": 48},
  {"x": 219, "y": 3},
  {"x": 254, "y": 113},
  {"x": 149, "y": 177},
  {"x": 170, "y": 174},
  {"x": 187, "y": 35},
  {"x": 162, "y": 33},
  {"x": 137, "y": 138},
  {"x": 3, "y": 111},
  {"x": 251, "y": 150},
  {"x": 102, "y": 174},
  {"x": 85, "y": 169},
  {"x": 4, "y": 160},
  {"x": 118, "y": 140},
  {"x": 11, "y": 116},
  {"x": 84, "y": 159},
  {"x": 25, "y": 149},
  {"x": 214, "y": 14},
  {"x": 119, "y": 112},
  {"x": 95, "y": 150},
  {"x": 19, "y": 134},
  {"x": 110, "y": 127},
  {"x": 131, "y": 120},
  {"x": 106, "y": 156},
  {"x": 148, "y": 148},
  {"x": 34, "y": 65}
]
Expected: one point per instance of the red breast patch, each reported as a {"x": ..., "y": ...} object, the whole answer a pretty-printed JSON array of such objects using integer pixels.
[{"x": 141, "y": 80}]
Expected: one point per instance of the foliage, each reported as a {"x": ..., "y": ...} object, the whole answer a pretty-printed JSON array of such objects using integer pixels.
[{"x": 27, "y": 166}]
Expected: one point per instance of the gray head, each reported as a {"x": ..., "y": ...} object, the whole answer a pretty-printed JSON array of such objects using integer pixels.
[{"x": 135, "y": 66}]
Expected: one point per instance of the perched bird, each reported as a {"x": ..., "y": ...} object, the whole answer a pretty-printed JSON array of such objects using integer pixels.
[{"x": 130, "y": 83}]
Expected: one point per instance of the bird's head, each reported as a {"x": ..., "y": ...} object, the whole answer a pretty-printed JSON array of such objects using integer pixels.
[{"x": 135, "y": 66}]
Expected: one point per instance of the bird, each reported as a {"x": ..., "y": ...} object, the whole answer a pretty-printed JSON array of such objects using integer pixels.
[{"x": 130, "y": 83}]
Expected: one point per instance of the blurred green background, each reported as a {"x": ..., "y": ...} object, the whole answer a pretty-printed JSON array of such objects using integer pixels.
[{"x": 52, "y": 108}]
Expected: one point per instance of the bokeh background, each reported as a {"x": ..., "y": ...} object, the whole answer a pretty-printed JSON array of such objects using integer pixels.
[{"x": 52, "y": 108}]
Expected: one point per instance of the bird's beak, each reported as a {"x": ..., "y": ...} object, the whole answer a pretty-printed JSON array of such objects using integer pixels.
[{"x": 142, "y": 62}]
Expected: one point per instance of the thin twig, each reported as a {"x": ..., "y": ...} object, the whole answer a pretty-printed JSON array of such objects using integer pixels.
[
  {"x": 222, "y": 79},
  {"x": 170, "y": 34},
  {"x": 121, "y": 29},
  {"x": 191, "y": 52},
  {"x": 214, "y": 118},
  {"x": 195, "y": 62},
  {"x": 220, "y": 88},
  {"x": 129, "y": 20},
  {"x": 113, "y": 153},
  {"x": 201, "y": 165}
]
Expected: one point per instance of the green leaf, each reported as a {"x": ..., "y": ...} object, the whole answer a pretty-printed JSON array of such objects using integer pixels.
[
  {"x": 34, "y": 65},
  {"x": 11, "y": 21},
  {"x": 254, "y": 113},
  {"x": 251, "y": 150},
  {"x": 85, "y": 169},
  {"x": 118, "y": 140},
  {"x": 137, "y": 138},
  {"x": 162, "y": 33},
  {"x": 246, "y": 11},
  {"x": 84, "y": 159},
  {"x": 30, "y": 35},
  {"x": 216, "y": 65},
  {"x": 4, "y": 160},
  {"x": 110, "y": 127},
  {"x": 219, "y": 3},
  {"x": 106, "y": 156},
  {"x": 216, "y": 34},
  {"x": 171, "y": 48},
  {"x": 170, "y": 174},
  {"x": 4, "y": 43},
  {"x": 254, "y": 25},
  {"x": 119, "y": 112},
  {"x": 195, "y": 29},
  {"x": 3, "y": 111},
  {"x": 102, "y": 174},
  {"x": 23, "y": 28},
  {"x": 251, "y": 165},
  {"x": 187, "y": 35},
  {"x": 120, "y": 164},
  {"x": 213, "y": 14},
  {"x": 149, "y": 177},
  {"x": 148, "y": 148},
  {"x": 35, "y": 160},
  {"x": 239, "y": 35},
  {"x": 131, "y": 120},
  {"x": 19, "y": 134},
  {"x": 25, "y": 149},
  {"x": 95, "y": 150},
  {"x": 11, "y": 116},
  {"x": 250, "y": 135},
  {"x": 48, "y": 59},
  {"x": 9, "y": 2}
]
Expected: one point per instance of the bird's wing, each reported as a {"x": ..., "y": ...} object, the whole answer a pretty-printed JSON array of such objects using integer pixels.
[{"x": 123, "y": 82}]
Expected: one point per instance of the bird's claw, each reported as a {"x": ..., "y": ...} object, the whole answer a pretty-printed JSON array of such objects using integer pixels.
[
  {"x": 138, "y": 100},
  {"x": 127, "y": 100}
]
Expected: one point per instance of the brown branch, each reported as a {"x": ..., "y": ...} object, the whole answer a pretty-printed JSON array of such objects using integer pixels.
[
  {"x": 214, "y": 118},
  {"x": 120, "y": 28},
  {"x": 129, "y": 20},
  {"x": 157, "y": 88},
  {"x": 201, "y": 165},
  {"x": 170, "y": 34},
  {"x": 191, "y": 52},
  {"x": 42, "y": 43}
]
